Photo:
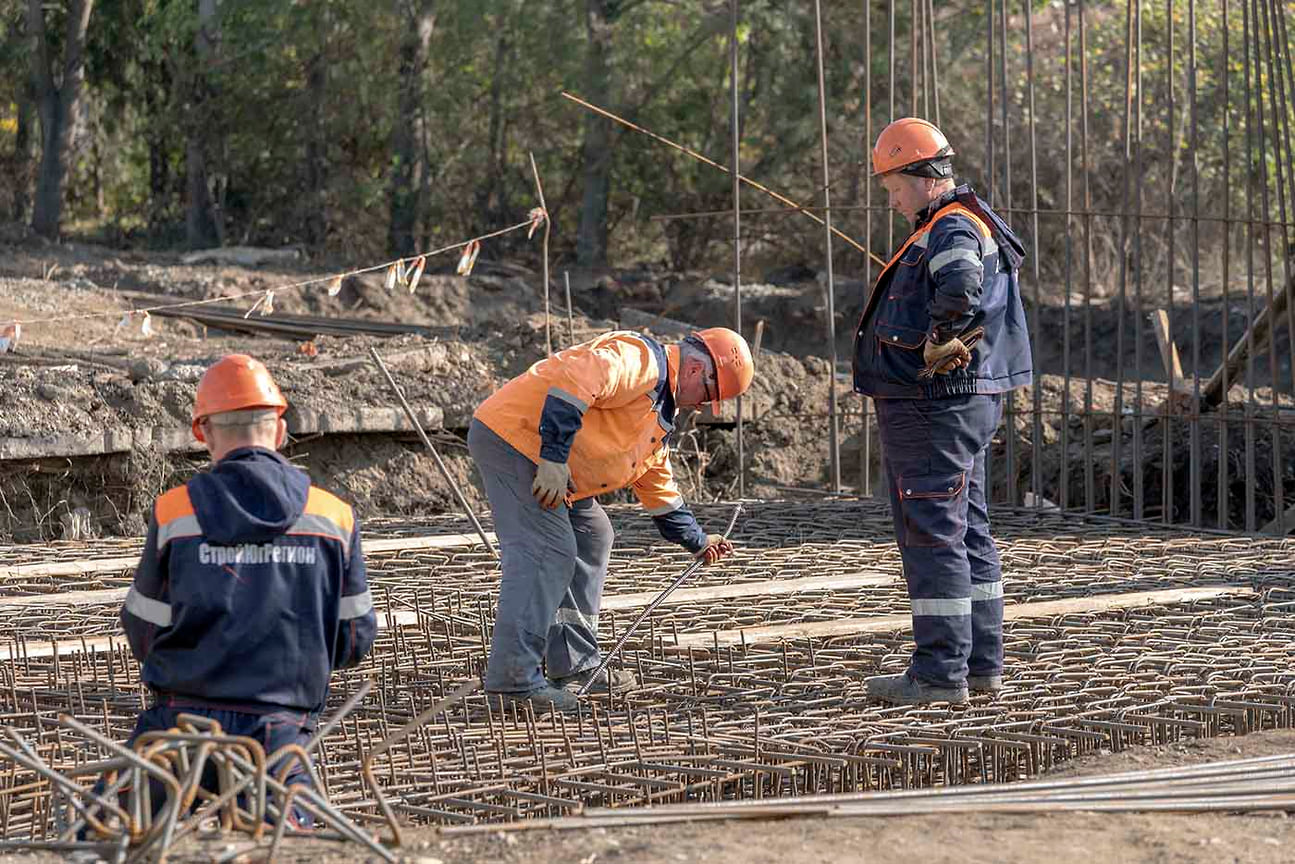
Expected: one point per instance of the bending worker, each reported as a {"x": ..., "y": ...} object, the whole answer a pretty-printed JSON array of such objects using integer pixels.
[
  {"x": 588, "y": 420},
  {"x": 942, "y": 337},
  {"x": 251, "y": 588}
]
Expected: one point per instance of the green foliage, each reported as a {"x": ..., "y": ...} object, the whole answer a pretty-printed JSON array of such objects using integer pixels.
[{"x": 297, "y": 105}]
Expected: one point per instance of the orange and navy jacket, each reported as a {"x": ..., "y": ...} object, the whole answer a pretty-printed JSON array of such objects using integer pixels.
[
  {"x": 617, "y": 391},
  {"x": 251, "y": 589},
  {"x": 955, "y": 272}
]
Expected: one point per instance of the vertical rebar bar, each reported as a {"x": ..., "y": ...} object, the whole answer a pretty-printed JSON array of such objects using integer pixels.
[
  {"x": 1064, "y": 489},
  {"x": 1167, "y": 420},
  {"x": 1121, "y": 307},
  {"x": 737, "y": 242},
  {"x": 1251, "y": 398},
  {"x": 1274, "y": 428},
  {"x": 890, "y": 61},
  {"x": 1139, "y": 484},
  {"x": 1009, "y": 398},
  {"x": 935, "y": 60},
  {"x": 1036, "y": 446},
  {"x": 833, "y": 427},
  {"x": 1224, "y": 449},
  {"x": 1194, "y": 427},
  {"x": 571, "y": 321},
  {"x": 1089, "y": 479},
  {"x": 913, "y": 29},
  {"x": 865, "y": 432},
  {"x": 1280, "y": 115}
]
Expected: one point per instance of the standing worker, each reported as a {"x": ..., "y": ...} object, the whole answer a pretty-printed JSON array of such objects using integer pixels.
[
  {"x": 251, "y": 589},
  {"x": 588, "y": 420},
  {"x": 942, "y": 337}
]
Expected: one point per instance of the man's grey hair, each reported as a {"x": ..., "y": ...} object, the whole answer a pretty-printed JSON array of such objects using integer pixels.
[{"x": 245, "y": 419}]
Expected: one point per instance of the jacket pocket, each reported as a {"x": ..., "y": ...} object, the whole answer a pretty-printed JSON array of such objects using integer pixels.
[
  {"x": 933, "y": 507},
  {"x": 899, "y": 337}
]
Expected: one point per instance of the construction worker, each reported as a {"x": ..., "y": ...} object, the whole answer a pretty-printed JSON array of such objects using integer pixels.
[
  {"x": 588, "y": 420},
  {"x": 251, "y": 588},
  {"x": 941, "y": 338}
]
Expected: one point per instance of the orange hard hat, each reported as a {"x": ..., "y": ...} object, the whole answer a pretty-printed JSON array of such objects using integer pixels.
[
  {"x": 734, "y": 368},
  {"x": 907, "y": 142},
  {"x": 235, "y": 382}
]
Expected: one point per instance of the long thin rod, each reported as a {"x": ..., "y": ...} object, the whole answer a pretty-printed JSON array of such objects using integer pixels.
[
  {"x": 548, "y": 320},
  {"x": 834, "y": 430},
  {"x": 629, "y": 631},
  {"x": 734, "y": 122},
  {"x": 440, "y": 463},
  {"x": 603, "y": 112}
]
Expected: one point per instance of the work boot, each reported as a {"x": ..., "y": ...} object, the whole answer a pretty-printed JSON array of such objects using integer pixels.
[
  {"x": 906, "y": 690},
  {"x": 540, "y": 699},
  {"x": 984, "y": 683},
  {"x": 622, "y": 681}
]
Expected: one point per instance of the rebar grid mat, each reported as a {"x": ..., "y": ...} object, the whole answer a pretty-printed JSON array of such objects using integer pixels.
[{"x": 734, "y": 722}]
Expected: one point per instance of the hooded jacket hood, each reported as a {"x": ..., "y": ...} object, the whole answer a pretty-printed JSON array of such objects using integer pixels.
[{"x": 251, "y": 496}]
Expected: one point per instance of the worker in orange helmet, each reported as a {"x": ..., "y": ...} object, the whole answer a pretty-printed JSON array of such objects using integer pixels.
[
  {"x": 588, "y": 420},
  {"x": 941, "y": 339},
  {"x": 251, "y": 588}
]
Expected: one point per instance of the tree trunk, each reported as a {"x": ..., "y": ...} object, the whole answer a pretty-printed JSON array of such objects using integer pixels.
[
  {"x": 22, "y": 156},
  {"x": 201, "y": 228},
  {"x": 316, "y": 222},
  {"x": 56, "y": 105},
  {"x": 591, "y": 241},
  {"x": 406, "y": 137}
]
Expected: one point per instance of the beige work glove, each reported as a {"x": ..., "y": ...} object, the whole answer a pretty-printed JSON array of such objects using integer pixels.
[
  {"x": 552, "y": 483},
  {"x": 943, "y": 359},
  {"x": 716, "y": 548}
]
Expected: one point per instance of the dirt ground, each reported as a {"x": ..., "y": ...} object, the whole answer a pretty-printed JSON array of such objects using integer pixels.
[
  {"x": 1067, "y": 838},
  {"x": 83, "y": 376}
]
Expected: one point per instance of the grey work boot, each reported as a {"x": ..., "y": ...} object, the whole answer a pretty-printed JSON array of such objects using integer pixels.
[
  {"x": 906, "y": 690},
  {"x": 539, "y": 699},
  {"x": 622, "y": 681},
  {"x": 984, "y": 683}
]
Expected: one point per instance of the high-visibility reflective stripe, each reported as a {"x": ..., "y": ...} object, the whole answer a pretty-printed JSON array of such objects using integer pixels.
[
  {"x": 925, "y": 238},
  {"x": 949, "y": 256},
  {"x": 574, "y": 401},
  {"x": 321, "y": 526},
  {"x": 668, "y": 507},
  {"x": 148, "y": 609},
  {"x": 355, "y": 605},
  {"x": 986, "y": 590},
  {"x": 184, "y": 526},
  {"x": 942, "y": 606},
  {"x": 567, "y": 615},
  {"x": 988, "y": 246}
]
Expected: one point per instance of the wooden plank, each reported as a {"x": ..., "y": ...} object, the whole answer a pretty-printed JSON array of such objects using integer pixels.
[
  {"x": 1012, "y": 612},
  {"x": 1258, "y": 332},
  {"x": 770, "y": 588},
  {"x": 1168, "y": 350}
]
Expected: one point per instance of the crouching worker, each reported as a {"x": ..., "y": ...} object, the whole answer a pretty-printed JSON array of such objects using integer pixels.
[
  {"x": 591, "y": 419},
  {"x": 251, "y": 587}
]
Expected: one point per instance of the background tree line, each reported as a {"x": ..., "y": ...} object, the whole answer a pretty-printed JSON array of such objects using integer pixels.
[{"x": 392, "y": 126}]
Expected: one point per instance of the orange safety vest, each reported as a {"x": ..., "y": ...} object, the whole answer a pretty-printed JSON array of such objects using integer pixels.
[{"x": 623, "y": 439}]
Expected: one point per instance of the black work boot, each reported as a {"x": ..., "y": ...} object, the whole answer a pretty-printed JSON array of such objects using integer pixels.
[
  {"x": 619, "y": 680},
  {"x": 906, "y": 690},
  {"x": 540, "y": 699}
]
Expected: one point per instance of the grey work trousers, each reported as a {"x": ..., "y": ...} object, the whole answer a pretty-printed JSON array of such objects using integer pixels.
[{"x": 554, "y": 564}]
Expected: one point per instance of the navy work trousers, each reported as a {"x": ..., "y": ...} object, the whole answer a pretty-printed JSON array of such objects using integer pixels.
[
  {"x": 554, "y": 564},
  {"x": 272, "y": 730},
  {"x": 933, "y": 453}
]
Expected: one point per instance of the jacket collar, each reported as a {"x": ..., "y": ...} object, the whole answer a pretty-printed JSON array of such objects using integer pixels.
[
  {"x": 672, "y": 368},
  {"x": 937, "y": 205}
]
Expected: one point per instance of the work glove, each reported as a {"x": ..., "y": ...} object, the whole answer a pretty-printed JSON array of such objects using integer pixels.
[
  {"x": 716, "y": 548},
  {"x": 944, "y": 358},
  {"x": 552, "y": 483}
]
